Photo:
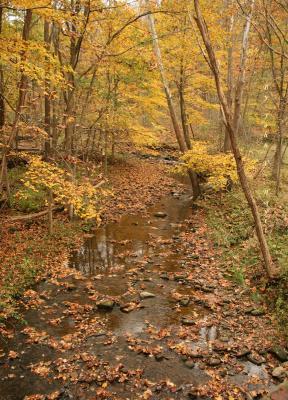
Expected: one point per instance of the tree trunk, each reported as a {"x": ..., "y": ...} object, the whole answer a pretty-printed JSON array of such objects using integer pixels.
[
  {"x": 227, "y": 144},
  {"x": 23, "y": 86},
  {"x": 185, "y": 127},
  {"x": 2, "y": 102},
  {"x": 228, "y": 120},
  {"x": 47, "y": 104},
  {"x": 179, "y": 136},
  {"x": 50, "y": 212},
  {"x": 277, "y": 163}
]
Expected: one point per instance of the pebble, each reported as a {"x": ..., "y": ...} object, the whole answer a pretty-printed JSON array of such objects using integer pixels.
[
  {"x": 184, "y": 302},
  {"x": 160, "y": 214},
  {"x": 257, "y": 312},
  {"x": 107, "y": 305},
  {"x": 256, "y": 359},
  {"x": 187, "y": 321},
  {"x": 280, "y": 353},
  {"x": 189, "y": 364},
  {"x": 279, "y": 373},
  {"x": 214, "y": 362},
  {"x": 146, "y": 295}
]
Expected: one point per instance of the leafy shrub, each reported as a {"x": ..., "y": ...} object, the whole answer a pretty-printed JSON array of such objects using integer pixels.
[
  {"x": 31, "y": 201},
  {"x": 218, "y": 168}
]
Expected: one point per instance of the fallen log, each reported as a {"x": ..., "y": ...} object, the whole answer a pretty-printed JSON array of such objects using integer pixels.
[{"x": 30, "y": 216}]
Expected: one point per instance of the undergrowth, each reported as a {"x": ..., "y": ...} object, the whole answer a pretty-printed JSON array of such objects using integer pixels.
[
  {"x": 232, "y": 230},
  {"x": 29, "y": 256}
]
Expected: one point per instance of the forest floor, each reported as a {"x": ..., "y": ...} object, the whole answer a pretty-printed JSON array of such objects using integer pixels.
[{"x": 147, "y": 307}]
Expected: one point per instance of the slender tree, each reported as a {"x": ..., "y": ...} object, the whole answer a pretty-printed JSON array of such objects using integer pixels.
[{"x": 231, "y": 123}]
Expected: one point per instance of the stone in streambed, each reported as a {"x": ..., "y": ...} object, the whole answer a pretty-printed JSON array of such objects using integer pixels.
[
  {"x": 106, "y": 305},
  {"x": 280, "y": 353},
  {"x": 256, "y": 359},
  {"x": 279, "y": 373},
  {"x": 243, "y": 352},
  {"x": 146, "y": 295},
  {"x": 189, "y": 364},
  {"x": 187, "y": 321},
  {"x": 184, "y": 302},
  {"x": 257, "y": 312},
  {"x": 164, "y": 276},
  {"x": 160, "y": 214},
  {"x": 214, "y": 362},
  {"x": 159, "y": 357},
  {"x": 279, "y": 393}
]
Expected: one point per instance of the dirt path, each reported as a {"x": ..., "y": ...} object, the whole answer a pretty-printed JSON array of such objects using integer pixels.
[{"x": 145, "y": 312}]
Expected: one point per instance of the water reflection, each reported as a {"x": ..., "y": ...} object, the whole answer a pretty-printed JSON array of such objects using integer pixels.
[{"x": 121, "y": 244}]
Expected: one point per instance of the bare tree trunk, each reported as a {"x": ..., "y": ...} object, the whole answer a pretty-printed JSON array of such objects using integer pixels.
[
  {"x": 278, "y": 153},
  {"x": 179, "y": 136},
  {"x": 227, "y": 144},
  {"x": 23, "y": 86},
  {"x": 47, "y": 104},
  {"x": 231, "y": 125},
  {"x": 242, "y": 71},
  {"x": 183, "y": 114},
  {"x": 2, "y": 102},
  {"x": 69, "y": 116},
  {"x": 50, "y": 212}
]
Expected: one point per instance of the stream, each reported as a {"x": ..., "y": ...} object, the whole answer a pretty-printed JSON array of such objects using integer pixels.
[{"x": 129, "y": 321}]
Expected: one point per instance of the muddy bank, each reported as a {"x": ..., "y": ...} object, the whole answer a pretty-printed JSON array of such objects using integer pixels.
[{"x": 146, "y": 312}]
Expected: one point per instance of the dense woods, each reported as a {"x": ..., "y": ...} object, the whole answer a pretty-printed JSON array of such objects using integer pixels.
[{"x": 107, "y": 107}]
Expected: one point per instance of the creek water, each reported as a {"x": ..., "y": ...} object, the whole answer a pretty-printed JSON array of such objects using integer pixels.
[{"x": 118, "y": 262}]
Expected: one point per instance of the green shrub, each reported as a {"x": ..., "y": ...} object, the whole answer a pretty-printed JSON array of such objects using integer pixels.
[{"x": 31, "y": 201}]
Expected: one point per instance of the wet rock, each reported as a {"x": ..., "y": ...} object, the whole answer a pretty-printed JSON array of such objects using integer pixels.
[
  {"x": 180, "y": 277},
  {"x": 214, "y": 362},
  {"x": 160, "y": 214},
  {"x": 189, "y": 364},
  {"x": 228, "y": 313},
  {"x": 97, "y": 334},
  {"x": 106, "y": 305},
  {"x": 243, "y": 352},
  {"x": 280, "y": 353},
  {"x": 224, "y": 339},
  {"x": 187, "y": 321},
  {"x": 257, "y": 312},
  {"x": 256, "y": 359},
  {"x": 128, "y": 307},
  {"x": 71, "y": 287},
  {"x": 223, "y": 373},
  {"x": 184, "y": 302},
  {"x": 279, "y": 393},
  {"x": 146, "y": 295},
  {"x": 279, "y": 373},
  {"x": 159, "y": 357},
  {"x": 207, "y": 289}
]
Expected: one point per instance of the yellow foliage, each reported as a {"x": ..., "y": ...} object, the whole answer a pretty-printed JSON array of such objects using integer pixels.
[
  {"x": 83, "y": 196},
  {"x": 218, "y": 168}
]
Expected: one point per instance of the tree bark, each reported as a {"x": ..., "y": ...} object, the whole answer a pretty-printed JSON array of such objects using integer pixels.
[
  {"x": 23, "y": 86},
  {"x": 179, "y": 136},
  {"x": 47, "y": 104},
  {"x": 2, "y": 102},
  {"x": 227, "y": 144},
  {"x": 230, "y": 124}
]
